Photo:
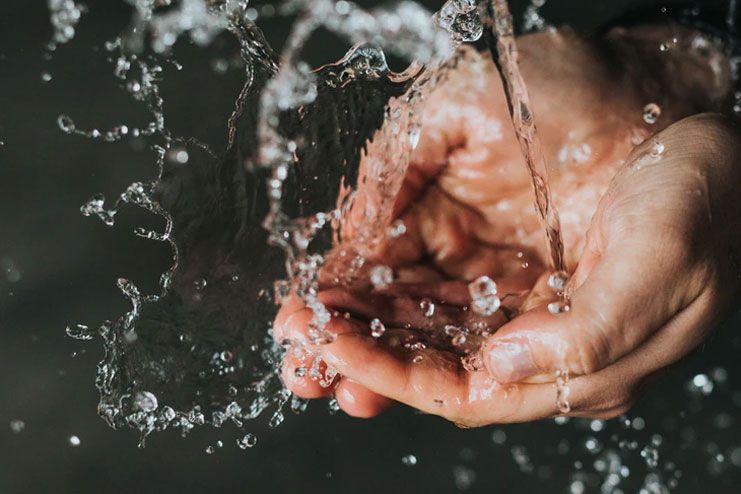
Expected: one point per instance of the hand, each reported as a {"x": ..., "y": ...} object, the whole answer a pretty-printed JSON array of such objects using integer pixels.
[{"x": 466, "y": 203}]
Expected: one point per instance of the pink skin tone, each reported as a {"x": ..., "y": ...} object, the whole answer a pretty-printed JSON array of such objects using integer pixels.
[{"x": 650, "y": 242}]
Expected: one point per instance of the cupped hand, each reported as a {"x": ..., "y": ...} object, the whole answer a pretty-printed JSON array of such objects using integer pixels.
[{"x": 646, "y": 230}]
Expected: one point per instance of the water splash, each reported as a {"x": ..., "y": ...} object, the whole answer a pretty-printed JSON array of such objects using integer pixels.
[
  {"x": 504, "y": 51},
  {"x": 64, "y": 17},
  {"x": 532, "y": 18},
  {"x": 205, "y": 354}
]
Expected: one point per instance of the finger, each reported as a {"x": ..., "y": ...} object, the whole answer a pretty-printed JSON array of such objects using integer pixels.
[
  {"x": 614, "y": 389},
  {"x": 422, "y": 384},
  {"x": 358, "y": 401},
  {"x": 296, "y": 375},
  {"x": 289, "y": 306},
  {"x": 611, "y": 314},
  {"x": 436, "y": 384}
]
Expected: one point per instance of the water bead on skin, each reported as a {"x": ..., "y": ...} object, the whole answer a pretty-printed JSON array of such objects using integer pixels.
[
  {"x": 381, "y": 277},
  {"x": 484, "y": 299},
  {"x": 377, "y": 328},
  {"x": 557, "y": 281},
  {"x": 427, "y": 307}
]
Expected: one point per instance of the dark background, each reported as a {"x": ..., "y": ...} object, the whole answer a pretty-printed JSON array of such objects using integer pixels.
[{"x": 68, "y": 265}]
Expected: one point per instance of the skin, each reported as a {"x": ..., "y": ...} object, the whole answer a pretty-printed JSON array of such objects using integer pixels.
[{"x": 650, "y": 241}]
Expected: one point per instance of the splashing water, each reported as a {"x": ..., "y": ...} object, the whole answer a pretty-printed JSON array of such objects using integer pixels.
[
  {"x": 64, "y": 16},
  {"x": 504, "y": 51},
  {"x": 188, "y": 355},
  {"x": 279, "y": 154},
  {"x": 532, "y": 19}
]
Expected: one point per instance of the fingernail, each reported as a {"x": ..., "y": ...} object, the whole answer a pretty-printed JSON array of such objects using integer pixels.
[{"x": 510, "y": 362}]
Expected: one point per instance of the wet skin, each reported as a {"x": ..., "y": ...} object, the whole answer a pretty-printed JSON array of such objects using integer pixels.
[{"x": 650, "y": 246}]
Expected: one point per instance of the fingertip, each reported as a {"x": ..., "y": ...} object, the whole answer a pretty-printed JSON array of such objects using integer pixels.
[
  {"x": 296, "y": 378},
  {"x": 288, "y": 308},
  {"x": 509, "y": 361},
  {"x": 358, "y": 401}
]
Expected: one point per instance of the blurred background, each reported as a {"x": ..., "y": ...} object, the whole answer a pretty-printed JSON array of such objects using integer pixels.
[{"x": 58, "y": 268}]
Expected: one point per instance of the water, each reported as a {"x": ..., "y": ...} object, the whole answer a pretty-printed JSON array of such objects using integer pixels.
[
  {"x": 160, "y": 325},
  {"x": 504, "y": 51}
]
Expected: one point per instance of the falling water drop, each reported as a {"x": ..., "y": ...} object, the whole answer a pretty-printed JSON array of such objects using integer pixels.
[
  {"x": 145, "y": 401},
  {"x": 409, "y": 460},
  {"x": 17, "y": 426},
  {"x": 461, "y": 19},
  {"x": 651, "y": 113},
  {"x": 66, "y": 124},
  {"x": 248, "y": 441}
]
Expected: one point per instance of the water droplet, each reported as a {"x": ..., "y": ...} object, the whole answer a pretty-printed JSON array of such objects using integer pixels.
[
  {"x": 427, "y": 307},
  {"x": 484, "y": 299},
  {"x": 381, "y": 277},
  {"x": 593, "y": 445},
  {"x": 145, "y": 401},
  {"x": 248, "y": 441},
  {"x": 559, "y": 307},
  {"x": 651, "y": 113},
  {"x": 377, "y": 328},
  {"x": 651, "y": 455},
  {"x": 563, "y": 391},
  {"x": 64, "y": 16},
  {"x": 276, "y": 419},
  {"x": 79, "y": 332},
  {"x": 397, "y": 229},
  {"x": 701, "y": 384},
  {"x": 46, "y": 77},
  {"x": 17, "y": 426},
  {"x": 66, "y": 124},
  {"x": 463, "y": 477},
  {"x": 557, "y": 281},
  {"x": 472, "y": 362},
  {"x": 499, "y": 437},
  {"x": 461, "y": 19},
  {"x": 73, "y": 441}
]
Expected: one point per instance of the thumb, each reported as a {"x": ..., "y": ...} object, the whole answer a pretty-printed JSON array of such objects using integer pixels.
[{"x": 618, "y": 305}]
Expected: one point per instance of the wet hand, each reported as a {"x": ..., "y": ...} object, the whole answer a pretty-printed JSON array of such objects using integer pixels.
[{"x": 455, "y": 201}]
